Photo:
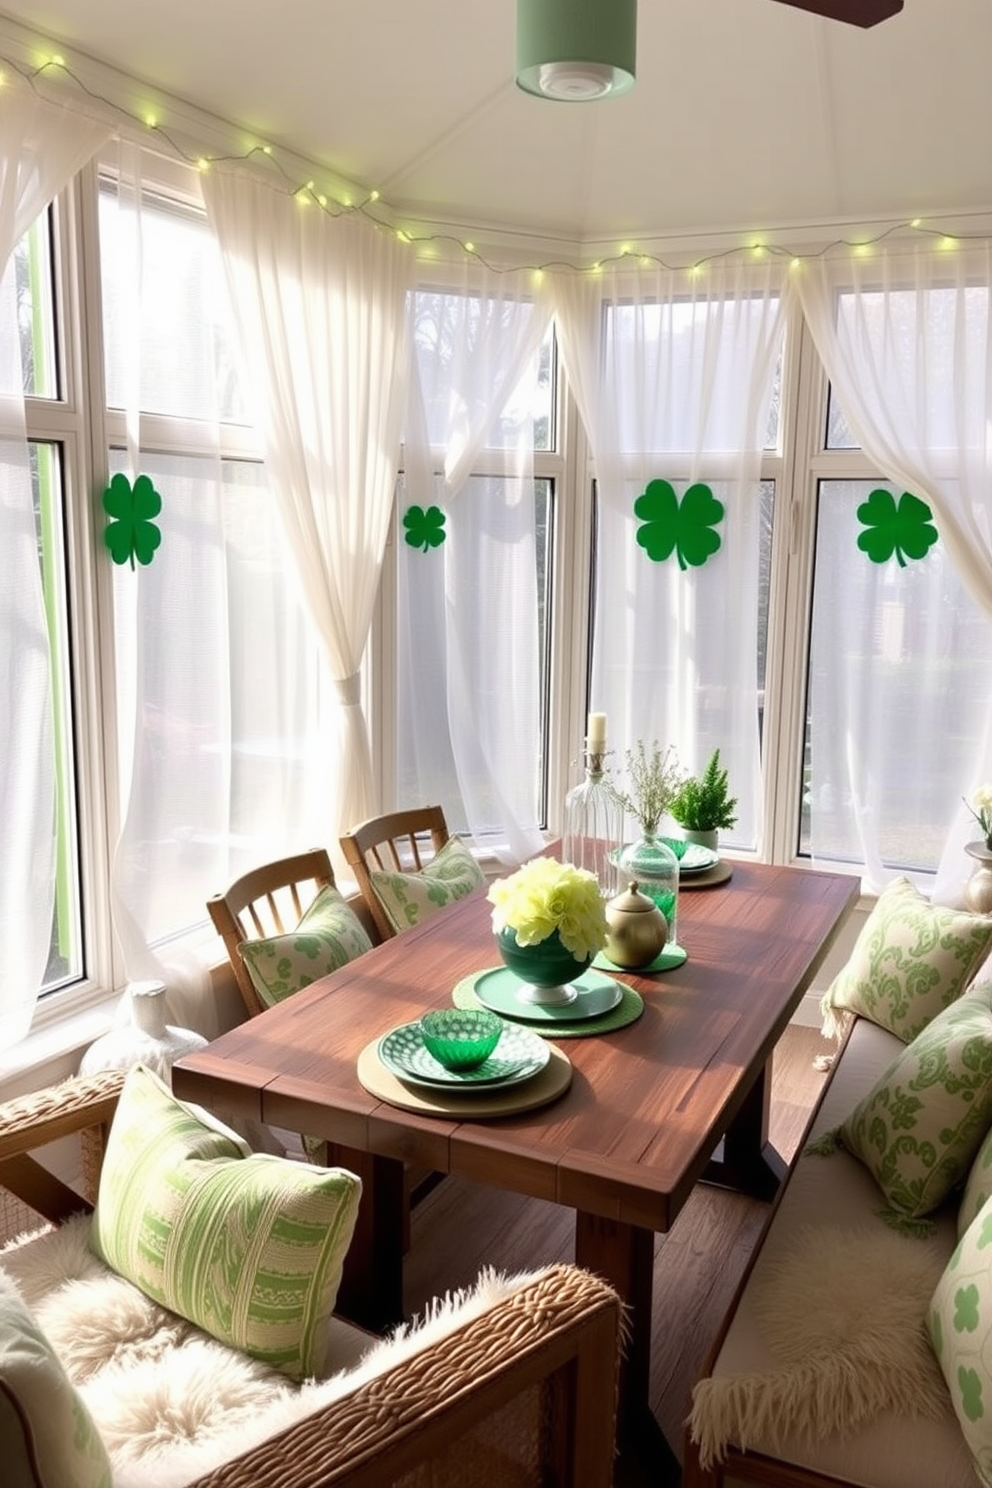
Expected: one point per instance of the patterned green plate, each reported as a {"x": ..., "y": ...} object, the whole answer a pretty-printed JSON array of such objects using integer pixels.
[{"x": 518, "y": 1055}]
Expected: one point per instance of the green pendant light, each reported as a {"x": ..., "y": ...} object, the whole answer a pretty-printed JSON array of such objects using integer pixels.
[{"x": 573, "y": 51}]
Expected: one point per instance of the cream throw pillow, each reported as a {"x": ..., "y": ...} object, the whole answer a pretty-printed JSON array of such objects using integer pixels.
[
  {"x": 911, "y": 959},
  {"x": 978, "y": 1186},
  {"x": 47, "y": 1436},
  {"x": 248, "y": 1247},
  {"x": 329, "y": 935},
  {"x": 918, "y": 1130},
  {"x": 960, "y": 1321},
  {"x": 410, "y": 898}
]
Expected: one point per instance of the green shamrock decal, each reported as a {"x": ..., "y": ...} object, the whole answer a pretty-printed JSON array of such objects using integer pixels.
[
  {"x": 905, "y": 529},
  {"x": 424, "y": 529},
  {"x": 971, "y": 1393},
  {"x": 966, "y": 1309},
  {"x": 685, "y": 528},
  {"x": 132, "y": 534}
]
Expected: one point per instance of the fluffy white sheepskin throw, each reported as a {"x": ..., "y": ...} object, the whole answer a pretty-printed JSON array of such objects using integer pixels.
[
  {"x": 844, "y": 1317},
  {"x": 169, "y": 1402}
]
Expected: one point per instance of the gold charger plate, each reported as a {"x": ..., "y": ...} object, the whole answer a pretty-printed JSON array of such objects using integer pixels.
[{"x": 465, "y": 1105}]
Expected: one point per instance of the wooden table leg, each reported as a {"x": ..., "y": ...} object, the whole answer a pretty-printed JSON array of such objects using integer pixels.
[
  {"x": 746, "y": 1159},
  {"x": 371, "y": 1291},
  {"x": 623, "y": 1255}
]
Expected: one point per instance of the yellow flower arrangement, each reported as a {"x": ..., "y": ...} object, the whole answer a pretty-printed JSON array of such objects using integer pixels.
[
  {"x": 982, "y": 800},
  {"x": 544, "y": 896}
]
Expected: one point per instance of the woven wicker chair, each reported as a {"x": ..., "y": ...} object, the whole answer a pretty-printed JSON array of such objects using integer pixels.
[{"x": 523, "y": 1395}]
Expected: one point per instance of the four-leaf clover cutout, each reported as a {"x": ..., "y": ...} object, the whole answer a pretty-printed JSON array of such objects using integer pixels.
[
  {"x": 424, "y": 529},
  {"x": 132, "y": 534},
  {"x": 905, "y": 529},
  {"x": 684, "y": 528}
]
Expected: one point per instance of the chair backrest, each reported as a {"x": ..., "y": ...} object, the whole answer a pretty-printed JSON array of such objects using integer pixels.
[
  {"x": 269, "y": 900},
  {"x": 392, "y": 843}
]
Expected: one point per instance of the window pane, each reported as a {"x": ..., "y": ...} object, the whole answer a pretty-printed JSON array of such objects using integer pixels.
[
  {"x": 899, "y": 680},
  {"x": 439, "y": 326},
  {"x": 36, "y": 308},
  {"x": 187, "y": 365},
  {"x": 684, "y": 381},
  {"x": 225, "y": 761},
  {"x": 679, "y": 657},
  {"x": 65, "y": 962},
  {"x": 839, "y": 435},
  {"x": 493, "y": 571}
]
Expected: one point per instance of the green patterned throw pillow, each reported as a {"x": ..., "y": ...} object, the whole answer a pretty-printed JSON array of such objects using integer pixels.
[
  {"x": 920, "y": 1127},
  {"x": 960, "y": 1321},
  {"x": 47, "y": 1436},
  {"x": 409, "y": 898},
  {"x": 247, "y": 1246},
  {"x": 911, "y": 959},
  {"x": 329, "y": 935},
  {"x": 978, "y": 1186}
]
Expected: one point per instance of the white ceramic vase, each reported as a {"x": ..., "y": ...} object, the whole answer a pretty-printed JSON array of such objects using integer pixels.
[
  {"x": 145, "y": 1039},
  {"x": 978, "y": 889}
]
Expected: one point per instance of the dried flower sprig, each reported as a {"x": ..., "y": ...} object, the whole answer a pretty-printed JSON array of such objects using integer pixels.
[{"x": 655, "y": 778}]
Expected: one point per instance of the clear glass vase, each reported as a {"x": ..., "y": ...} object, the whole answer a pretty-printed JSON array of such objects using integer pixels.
[
  {"x": 650, "y": 863},
  {"x": 593, "y": 825}
]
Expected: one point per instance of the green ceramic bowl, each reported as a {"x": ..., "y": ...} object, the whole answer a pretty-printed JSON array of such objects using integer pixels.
[{"x": 461, "y": 1038}]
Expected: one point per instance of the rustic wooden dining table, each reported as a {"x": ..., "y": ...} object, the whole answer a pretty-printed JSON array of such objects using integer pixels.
[{"x": 678, "y": 1096}]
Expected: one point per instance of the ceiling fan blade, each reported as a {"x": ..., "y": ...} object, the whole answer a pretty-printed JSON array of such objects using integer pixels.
[{"x": 855, "y": 12}]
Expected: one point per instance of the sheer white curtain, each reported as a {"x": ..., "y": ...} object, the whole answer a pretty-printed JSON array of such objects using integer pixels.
[
  {"x": 905, "y": 334},
  {"x": 320, "y": 303},
  {"x": 41, "y": 148},
  {"x": 673, "y": 374},
  {"x": 468, "y": 618},
  {"x": 220, "y": 745}
]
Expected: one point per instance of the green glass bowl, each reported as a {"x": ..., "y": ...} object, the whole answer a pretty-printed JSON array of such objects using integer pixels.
[{"x": 461, "y": 1038}]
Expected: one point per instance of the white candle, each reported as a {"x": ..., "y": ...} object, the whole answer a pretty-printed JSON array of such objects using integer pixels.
[{"x": 596, "y": 732}]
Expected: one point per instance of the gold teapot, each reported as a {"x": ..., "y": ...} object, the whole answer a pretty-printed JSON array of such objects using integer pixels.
[{"x": 636, "y": 929}]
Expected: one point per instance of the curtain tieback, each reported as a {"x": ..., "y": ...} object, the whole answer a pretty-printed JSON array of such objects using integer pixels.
[{"x": 349, "y": 690}]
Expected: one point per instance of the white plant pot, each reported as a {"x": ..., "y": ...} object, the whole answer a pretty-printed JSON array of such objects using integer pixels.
[{"x": 707, "y": 837}]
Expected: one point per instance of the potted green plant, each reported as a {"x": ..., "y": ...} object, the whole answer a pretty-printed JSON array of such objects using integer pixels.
[{"x": 703, "y": 805}]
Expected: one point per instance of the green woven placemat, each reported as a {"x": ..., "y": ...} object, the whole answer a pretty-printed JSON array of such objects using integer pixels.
[{"x": 628, "y": 1010}]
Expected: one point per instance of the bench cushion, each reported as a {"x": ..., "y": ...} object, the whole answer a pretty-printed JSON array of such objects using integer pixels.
[{"x": 892, "y": 1450}]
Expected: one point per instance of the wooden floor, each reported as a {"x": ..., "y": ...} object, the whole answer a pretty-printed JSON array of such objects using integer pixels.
[{"x": 461, "y": 1226}]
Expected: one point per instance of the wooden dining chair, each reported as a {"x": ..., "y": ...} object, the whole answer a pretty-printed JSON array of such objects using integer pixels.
[
  {"x": 394, "y": 843},
  {"x": 271, "y": 900}
]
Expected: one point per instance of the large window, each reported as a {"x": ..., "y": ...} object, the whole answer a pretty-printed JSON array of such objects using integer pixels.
[
  {"x": 203, "y": 741},
  {"x": 191, "y": 724},
  {"x": 474, "y": 592}
]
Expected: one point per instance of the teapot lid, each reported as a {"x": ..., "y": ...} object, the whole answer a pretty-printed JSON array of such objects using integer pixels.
[{"x": 632, "y": 901}]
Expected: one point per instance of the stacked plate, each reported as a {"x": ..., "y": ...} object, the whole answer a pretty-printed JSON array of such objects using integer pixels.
[
  {"x": 692, "y": 858},
  {"x": 519, "y": 1055}
]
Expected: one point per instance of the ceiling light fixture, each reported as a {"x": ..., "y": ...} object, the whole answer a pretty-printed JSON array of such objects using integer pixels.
[{"x": 573, "y": 51}]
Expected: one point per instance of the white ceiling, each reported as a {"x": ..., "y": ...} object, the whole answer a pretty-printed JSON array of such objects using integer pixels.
[{"x": 746, "y": 114}]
